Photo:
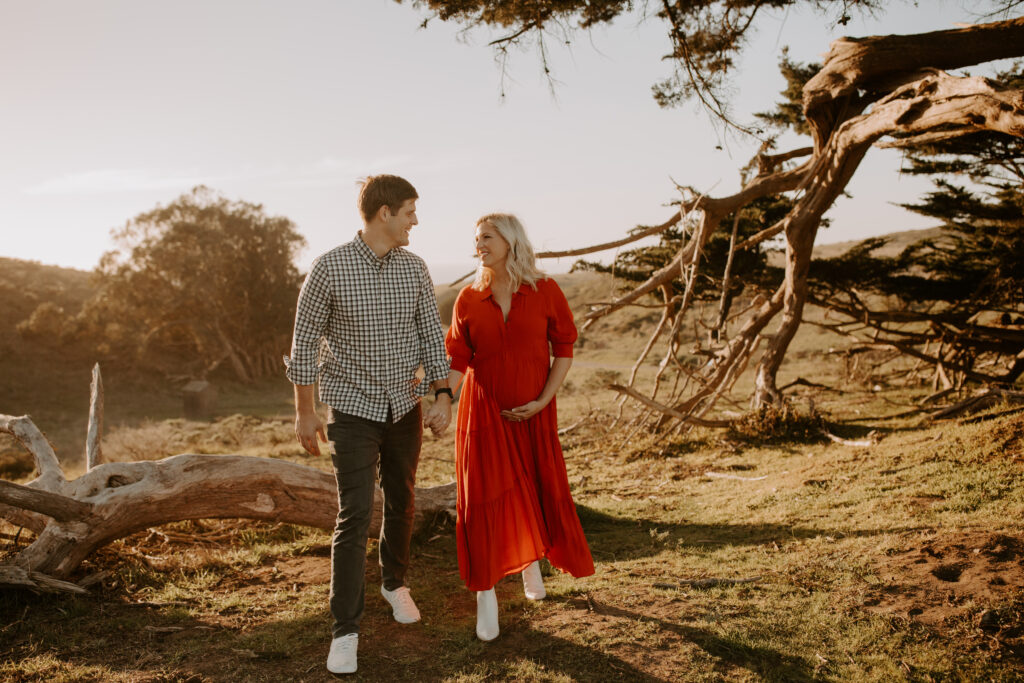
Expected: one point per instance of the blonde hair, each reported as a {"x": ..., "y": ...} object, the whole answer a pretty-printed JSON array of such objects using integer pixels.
[{"x": 520, "y": 263}]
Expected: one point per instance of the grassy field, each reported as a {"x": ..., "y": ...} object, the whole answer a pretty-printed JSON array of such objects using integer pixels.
[{"x": 899, "y": 561}]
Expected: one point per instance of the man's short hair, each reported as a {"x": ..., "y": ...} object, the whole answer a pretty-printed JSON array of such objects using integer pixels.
[{"x": 384, "y": 190}]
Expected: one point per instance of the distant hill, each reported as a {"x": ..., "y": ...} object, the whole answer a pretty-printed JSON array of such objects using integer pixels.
[
  {"x": 897, "y": 242},
  {"x": 26, "y": 284}
]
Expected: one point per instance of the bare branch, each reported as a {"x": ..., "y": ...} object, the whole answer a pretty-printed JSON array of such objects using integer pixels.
[
  {"x": 856, "y": 443},
  {"x": 513, "y": 37},
  {"x": 51, "y": 476},
  {"x": 464, "y": 277},
  {"x": 632, "y": 237},
  {"x": 665, "y": 410},
  {"x": 11, "y": 575},
  {"x": 61, "y": 508}
]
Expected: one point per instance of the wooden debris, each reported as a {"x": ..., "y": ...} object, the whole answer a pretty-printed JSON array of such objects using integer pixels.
[
  {"x": 93, "y": 452},
  {"x": 871, "y": 439},
  {"x": 724, "y": 475}
]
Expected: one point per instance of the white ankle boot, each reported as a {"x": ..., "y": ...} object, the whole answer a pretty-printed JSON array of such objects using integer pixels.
[
  {"x": 533, "y": 582},
  {"x": 486, "y": 615}
]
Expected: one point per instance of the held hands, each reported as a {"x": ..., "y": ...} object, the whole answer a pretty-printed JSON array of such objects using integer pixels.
[
  {"x": 523, "y": 412},
  {"x": 439, "y": 415},
  {"x": 307, "y": 428}
]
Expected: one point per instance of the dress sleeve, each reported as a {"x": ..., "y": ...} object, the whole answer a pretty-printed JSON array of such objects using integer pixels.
[
  {"x": 561, "y": 328},
  {"x": 457, "y": 341}
]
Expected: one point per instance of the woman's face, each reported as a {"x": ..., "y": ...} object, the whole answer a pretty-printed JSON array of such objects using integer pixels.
[{"x": 491, "y": 247}]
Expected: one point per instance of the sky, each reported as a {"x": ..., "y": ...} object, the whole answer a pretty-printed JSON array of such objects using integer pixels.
[{"x": 109, "y": 108}]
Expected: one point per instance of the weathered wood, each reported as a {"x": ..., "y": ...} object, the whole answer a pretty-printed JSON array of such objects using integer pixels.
[
  {"x": 871, "y": 440},
  {"x": 987, "y": 397},
  {"x": 54, "y": 505},
  {"x": 936, "y": 101},
  {"x": 735, "y": 477},
  {"x": 93, "y": 453},
  {"x": 654, "y": 405},
  {"x": 11, "y": 575},
  {"x": 51, "y": 476},
  {"x": 113, "y": 500}
]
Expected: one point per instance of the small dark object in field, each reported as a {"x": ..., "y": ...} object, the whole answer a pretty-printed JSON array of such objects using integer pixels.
[{"x": 989, "y": 620}]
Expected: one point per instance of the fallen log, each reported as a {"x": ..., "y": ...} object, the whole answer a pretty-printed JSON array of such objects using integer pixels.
[
  {"x": 72, "y": 519},
  {"x": 11, "y": 575}
]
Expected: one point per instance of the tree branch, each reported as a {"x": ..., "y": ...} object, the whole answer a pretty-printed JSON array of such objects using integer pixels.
[
  {"x": 665, "y": 410},
  {"x": 51, "y": 476},
  {"x": 61, "y": 508}
]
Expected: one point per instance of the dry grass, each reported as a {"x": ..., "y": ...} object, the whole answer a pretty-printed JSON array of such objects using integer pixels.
[{"x": 902, "y": 561}]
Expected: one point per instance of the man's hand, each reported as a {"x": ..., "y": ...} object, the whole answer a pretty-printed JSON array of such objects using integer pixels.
[
  {"x": 307, "y": 428},
  {"x": 439, "y": 415}
]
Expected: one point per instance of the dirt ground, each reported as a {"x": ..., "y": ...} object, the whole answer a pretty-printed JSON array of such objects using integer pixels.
[{"x": 941, "y": 581}]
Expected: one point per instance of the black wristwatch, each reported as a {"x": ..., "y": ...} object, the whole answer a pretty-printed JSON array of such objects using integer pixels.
[{"x": 444, "y": 390}]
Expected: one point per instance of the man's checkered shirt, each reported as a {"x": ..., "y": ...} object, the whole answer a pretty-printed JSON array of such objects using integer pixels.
[{"x": 378, "y": 317}]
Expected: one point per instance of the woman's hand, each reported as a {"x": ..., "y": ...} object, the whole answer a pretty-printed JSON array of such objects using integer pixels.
[{"x": 523, "y": 412}]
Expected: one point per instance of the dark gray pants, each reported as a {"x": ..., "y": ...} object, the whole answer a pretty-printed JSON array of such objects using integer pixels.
[{"x": 362, "y": 448}]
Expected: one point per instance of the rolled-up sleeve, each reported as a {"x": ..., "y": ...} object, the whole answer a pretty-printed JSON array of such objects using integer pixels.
[
  {"x": 457, "y": 342},
  {"x": 431, "y": 335},
  {"x": 311, "y": 317},
  {"x": 561, "y": 328}
]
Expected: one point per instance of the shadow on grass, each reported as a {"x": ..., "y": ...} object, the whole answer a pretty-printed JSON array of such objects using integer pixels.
[
  {"x": 767, "y": 663},
  {"x": 621, "y": 538},
  {"x": 523, "y": 653},
  {"x": 96, "y": 639}
]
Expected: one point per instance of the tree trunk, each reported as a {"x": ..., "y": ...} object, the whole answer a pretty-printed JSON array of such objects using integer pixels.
[{"x": 233, "y": 356}]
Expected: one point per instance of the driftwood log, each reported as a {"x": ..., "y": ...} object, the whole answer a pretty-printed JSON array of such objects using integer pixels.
[{"x": 73, "y": 518}]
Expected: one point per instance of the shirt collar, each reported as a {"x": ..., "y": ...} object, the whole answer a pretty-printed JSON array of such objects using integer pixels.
[
  {"x": 364, "y": 250},
  {"x": 488, "y": 294}
]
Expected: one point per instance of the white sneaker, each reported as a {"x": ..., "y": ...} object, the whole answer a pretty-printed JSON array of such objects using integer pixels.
[
  {"x": 533, "y": 582},
  {"x": 486, "y": 615},
  {"x": 402, "y": 606},
  {"x": 342, "y": 657}
]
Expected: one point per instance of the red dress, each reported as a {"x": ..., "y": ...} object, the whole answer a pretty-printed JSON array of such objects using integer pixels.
[{"x": 514, "y": 504}]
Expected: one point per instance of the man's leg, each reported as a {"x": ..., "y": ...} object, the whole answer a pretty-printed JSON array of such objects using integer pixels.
[
  {"x": 399, "y": 456},
  {"x": 356, "y": 449}
]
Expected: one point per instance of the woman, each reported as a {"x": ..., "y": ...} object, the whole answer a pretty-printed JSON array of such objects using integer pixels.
[{"x": 514, "y": 505}]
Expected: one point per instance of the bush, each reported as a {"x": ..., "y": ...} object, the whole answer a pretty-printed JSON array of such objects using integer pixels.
[
  {"x": 48, "y": 323},
  {"x": 779, "y": 424}
]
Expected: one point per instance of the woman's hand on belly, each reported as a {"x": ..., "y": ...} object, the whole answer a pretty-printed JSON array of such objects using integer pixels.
[{"x": 523, "y": 412}]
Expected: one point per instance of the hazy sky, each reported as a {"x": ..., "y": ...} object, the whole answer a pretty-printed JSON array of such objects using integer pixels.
[{"x": 110, "y": 107}]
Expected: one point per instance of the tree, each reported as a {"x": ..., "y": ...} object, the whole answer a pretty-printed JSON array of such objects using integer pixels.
[
  {"x": 200, "y": 281},
  {"x": 867, "y": 89},
  {"x": 956, "y": 301}
]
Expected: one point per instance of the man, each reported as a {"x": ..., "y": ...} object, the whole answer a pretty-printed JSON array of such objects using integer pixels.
[{"x": 366, "y": 321}]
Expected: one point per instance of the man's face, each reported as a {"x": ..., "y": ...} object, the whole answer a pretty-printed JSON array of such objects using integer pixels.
[{"x": 398, "y": 224}]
